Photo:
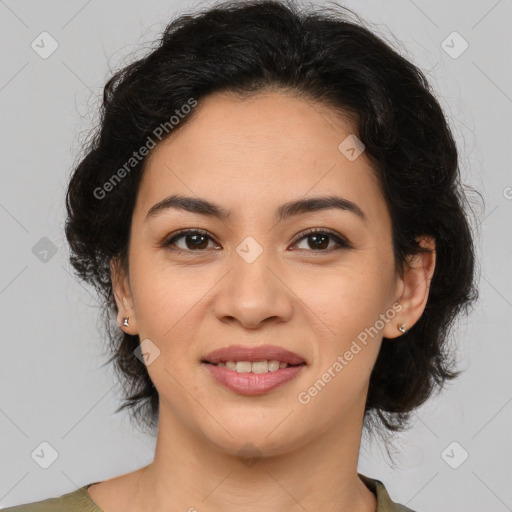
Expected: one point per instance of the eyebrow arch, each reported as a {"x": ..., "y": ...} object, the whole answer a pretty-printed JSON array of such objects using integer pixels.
[{"x": 300, "y": 206}]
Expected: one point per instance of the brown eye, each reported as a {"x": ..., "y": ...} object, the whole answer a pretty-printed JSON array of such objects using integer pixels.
[
  {"x": 319, "y": 241},
  {"x": 193, "y": 240}
]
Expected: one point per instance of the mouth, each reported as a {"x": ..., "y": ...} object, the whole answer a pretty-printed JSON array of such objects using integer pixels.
[
  {"x": 253, "y": 370},
  {"x": 242, "y": 355},
  {"x": 254, "y": 366}
]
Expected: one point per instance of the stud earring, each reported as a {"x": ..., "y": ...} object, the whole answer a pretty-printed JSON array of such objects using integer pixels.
[
  {"x": 125, "y": 322},
  {"x": 401, "y": 328}
]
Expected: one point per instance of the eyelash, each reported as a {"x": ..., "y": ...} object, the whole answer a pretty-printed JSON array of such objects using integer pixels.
[{"x": 342, "y": 242}]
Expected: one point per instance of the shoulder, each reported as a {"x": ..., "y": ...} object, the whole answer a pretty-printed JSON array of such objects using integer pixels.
[
  {"x": 75, "y": 501},
  {"x": 384, "y": 501}
]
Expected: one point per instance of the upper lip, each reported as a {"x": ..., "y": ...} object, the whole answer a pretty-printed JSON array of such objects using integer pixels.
[{"x": 252, "y": 354}]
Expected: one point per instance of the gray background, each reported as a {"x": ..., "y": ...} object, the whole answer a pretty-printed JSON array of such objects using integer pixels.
[{"x": 53, "y": 387}]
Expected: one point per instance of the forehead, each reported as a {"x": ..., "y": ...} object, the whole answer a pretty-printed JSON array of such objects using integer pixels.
[{"x": 260, "y": 151}]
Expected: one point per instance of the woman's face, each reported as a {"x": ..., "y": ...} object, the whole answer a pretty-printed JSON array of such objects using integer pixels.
[{"x": 255, "y": 277}]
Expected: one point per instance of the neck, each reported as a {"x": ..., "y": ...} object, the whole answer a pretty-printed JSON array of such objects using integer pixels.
[{"x": 190, "y": 473}]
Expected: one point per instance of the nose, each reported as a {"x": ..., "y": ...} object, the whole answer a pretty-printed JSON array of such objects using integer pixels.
[{"x": 253, "y": 294}]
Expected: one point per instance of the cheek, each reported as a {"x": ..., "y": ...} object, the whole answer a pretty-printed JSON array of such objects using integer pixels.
[
  {"x": 169, "y": 311},
  {"x": 156, "y": 296},
  {"x": 345, "y": 300},
  {"x": 170, "y": 302}
]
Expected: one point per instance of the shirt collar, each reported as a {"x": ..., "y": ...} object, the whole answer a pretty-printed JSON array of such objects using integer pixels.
[{"x": 384, "y": 501}]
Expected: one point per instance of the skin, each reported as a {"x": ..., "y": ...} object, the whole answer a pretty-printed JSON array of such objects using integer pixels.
[{"x": 250, "y": 156}]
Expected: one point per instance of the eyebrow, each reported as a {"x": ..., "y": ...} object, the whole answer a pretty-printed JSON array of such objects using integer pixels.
[{"x": 292, "y": 208}]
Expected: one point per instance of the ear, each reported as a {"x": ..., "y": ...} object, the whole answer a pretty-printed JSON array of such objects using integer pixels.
[
  {"x": 415, "y": 285},
  {"x": 123, "y": 296}
]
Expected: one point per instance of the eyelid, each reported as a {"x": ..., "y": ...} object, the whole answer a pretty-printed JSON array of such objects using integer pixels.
[
  {"x": 343, "y": 242},
  {"x": 168, "y": 240}
]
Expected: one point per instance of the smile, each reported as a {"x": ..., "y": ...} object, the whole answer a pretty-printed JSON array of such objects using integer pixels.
[{"x": 253, "y": 378}]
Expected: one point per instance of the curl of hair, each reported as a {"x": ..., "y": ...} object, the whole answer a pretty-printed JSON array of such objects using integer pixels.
[{"x": 320, "y": 55}]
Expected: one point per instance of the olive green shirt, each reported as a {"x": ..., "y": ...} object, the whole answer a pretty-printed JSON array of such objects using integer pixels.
[{"x": 81, "y": 501}]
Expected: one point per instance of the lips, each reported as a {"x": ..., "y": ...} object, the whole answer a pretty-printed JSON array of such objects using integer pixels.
[{"x": 253, "y": 354}]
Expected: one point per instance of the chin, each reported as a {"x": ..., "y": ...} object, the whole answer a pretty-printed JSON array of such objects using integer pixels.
[{"x": 255, "y": 439}]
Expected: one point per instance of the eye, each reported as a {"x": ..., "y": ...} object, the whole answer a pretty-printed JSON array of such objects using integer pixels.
[
  {"x": 194, "y": 240},
  {"x": 318, "y": 240}
]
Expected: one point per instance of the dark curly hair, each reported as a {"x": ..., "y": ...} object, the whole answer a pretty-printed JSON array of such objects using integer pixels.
[{"x": 319, "y": 54}]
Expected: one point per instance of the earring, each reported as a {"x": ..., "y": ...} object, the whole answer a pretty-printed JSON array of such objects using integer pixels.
[
  {"x": 401, "y": 328},
  {"x": 125, "y": 322}
]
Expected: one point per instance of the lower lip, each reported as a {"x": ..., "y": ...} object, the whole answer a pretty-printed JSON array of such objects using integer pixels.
[{"x": 252, "y": 383}]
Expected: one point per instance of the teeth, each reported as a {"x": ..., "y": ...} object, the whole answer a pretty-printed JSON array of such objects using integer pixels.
[
  {"x": 275, "y": 365},
  {"x": 243, "y": 366},
  {"x": 255, "y": 367}
]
